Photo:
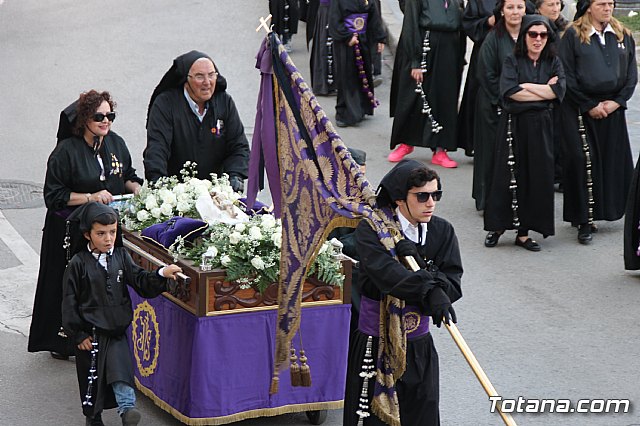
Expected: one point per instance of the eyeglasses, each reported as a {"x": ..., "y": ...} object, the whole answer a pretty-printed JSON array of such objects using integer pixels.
[
  {"x": 535, "y": 34},
  {"x": 423, "y": 197},
  {"x": 99, "y": 116},
  {"x": 212, "y": 76}
]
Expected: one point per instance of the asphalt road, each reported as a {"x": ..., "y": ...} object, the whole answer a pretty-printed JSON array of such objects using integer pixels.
[{"x": 561, "y": 323}]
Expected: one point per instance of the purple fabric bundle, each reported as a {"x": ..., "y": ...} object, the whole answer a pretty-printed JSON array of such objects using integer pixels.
[{"x": 167, "y": 232}]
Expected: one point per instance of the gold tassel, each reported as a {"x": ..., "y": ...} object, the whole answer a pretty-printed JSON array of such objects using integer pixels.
[
  {"x": 295, "y": 368},
  {"x": 275, "y": 381},
  {"x": 305, "y": 371}
]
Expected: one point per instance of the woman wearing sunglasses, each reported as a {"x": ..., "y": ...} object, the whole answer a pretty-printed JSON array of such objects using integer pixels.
[
  {"x": 521, "y": 191},
  {"x": 89, "y": 163}
]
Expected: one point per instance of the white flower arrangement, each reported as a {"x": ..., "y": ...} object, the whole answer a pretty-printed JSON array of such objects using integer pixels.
[
  {"x": 250, "y": 253},
  {"x": 248, "y": 248},
  {"x": 171, "y": 196}
]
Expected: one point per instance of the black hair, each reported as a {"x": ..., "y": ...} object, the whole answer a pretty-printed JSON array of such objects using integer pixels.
[
  {"x": 107, "y": 218},
  {"x": 420, "y": 177}
]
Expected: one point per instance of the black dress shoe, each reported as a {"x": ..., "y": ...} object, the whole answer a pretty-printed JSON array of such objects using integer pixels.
[
  {"x": 528, "y": 244},
  {"x": 491, "y": 240},
  {"x": 341, "y": 123},
  {"x": 584, "y": 233},
  {"x": 57, "y": 355}
]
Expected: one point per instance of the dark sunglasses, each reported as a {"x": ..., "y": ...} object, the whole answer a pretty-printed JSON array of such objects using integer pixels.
[
  {"x": 423, "y": 197},
  {"x": 99, "y": 117},
  {"x": 535, "y": 34}
]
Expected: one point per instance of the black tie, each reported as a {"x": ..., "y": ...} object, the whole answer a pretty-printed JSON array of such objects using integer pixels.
[{"x": 419, "y": 233}]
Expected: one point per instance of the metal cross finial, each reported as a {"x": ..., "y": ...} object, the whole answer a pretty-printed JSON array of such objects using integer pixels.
[{"x": 264, "y": 23}]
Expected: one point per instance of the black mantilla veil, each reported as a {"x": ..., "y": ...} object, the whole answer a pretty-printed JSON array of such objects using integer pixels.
[
  {"x": 527, "y": 22},
  {"x": 176, "y": 76},
  {"x": 393, "y": 185},
  {"x": 81, "y": 220}
]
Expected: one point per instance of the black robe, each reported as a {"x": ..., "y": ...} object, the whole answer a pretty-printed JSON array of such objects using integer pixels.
[
  {"x": 596, "y": 73},
  {"x": 474, "y": 22},
  {"x": 380, "y": 274},
  {"x": 72, "y": 167},
  {"x": 285, "y": 15},
  {"x": 632, "y": 223},
  {"x": 96, "y": 298},
  {"x": 496, "y": 47},
  {"x": 322, "y": 66},
  {"x": 175, "y": 135},
  {"x": 441, "y": 82},
  {"x": 352, "y": 103},
  {"x": 532, "y": 132}
]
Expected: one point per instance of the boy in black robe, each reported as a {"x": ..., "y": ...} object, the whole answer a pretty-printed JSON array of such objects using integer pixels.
[
  {"x": 411, "y": 190},
  {"x": 96, "y": 311}
]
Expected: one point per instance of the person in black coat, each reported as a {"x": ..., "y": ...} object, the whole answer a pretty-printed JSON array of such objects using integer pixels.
[
  {"x": 89, "y": 163},
  {"x": 191, "y": 117},
  {"x": 96, "y": 312},
  {"x": 411, "y": 191},
  {"x": 599, "y": 57}
]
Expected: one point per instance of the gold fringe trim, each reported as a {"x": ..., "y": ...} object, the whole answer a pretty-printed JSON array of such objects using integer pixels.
[{"x": 252, "y": 414}]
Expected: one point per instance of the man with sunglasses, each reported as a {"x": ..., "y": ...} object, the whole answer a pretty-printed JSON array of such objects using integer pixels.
[
  {"x": 191, "y": 117},
  {"x": 408, "y": 193}
]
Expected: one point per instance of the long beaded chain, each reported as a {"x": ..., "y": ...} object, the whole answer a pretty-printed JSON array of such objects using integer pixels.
[
  {"x": 587, "y": 160},
  {"x": 92, "y": 370},
  {"x": 368, "y": 372},
  {"x": 286, "y": 19},
  {"x": 426, "y": 109},
  {"x": 366, "y": 88},
  {"x": 329, "y": 44},
  {"x": 513, "y": 184}
]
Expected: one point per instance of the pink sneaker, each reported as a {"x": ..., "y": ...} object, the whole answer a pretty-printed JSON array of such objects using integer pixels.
[
  {"x": 441, "y": 158},
  {"x": 399, "y": 153}
]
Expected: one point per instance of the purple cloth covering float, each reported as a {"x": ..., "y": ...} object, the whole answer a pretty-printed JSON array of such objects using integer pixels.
[{"x": 215, "y": 370}]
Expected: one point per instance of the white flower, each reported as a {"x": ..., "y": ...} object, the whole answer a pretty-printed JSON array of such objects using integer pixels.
[
  {"x": 257, "y": 263},
  {"x": 167, "y": 197},
  {"x": 240, "y": 227},
  {"x": 268, "y": 221},
  {"x": 166, "y": 209},
  {"x": 632, "y": 13},
  {"x": 142, "y": 215},
  {"x": 185, "y": 197},
  {"x": 180, "y": 189},
  {"x": 255, "y": 233},
  {"x": 156, "y": 212},
  {"x": 150, "y": 203},
  {"x": 212, "y": 251},
  {"x": 235, "y": 237},
  {"x": 225, "y": 260},
  {"x": 276, "y": 237},
  {"x": 183, "y": 206},
  {"x": 323, "y": 248}
]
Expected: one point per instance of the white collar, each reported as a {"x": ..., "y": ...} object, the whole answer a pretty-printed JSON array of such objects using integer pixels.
[
  {"x": 410, "y": 230},
  {"x": 194, "y": 106},
  {"x": 607, "y": 29}
]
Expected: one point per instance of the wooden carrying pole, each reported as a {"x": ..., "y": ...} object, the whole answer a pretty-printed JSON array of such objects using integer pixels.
[{"x": 468, "y": 355}]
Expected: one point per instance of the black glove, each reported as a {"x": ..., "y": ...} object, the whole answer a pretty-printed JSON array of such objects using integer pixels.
[
  {"x": 237, "y": 183},
  {"x": 440, "y": 307},
  {"x": 408, "y": 248}
]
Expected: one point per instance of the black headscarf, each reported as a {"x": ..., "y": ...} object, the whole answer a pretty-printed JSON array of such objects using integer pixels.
[
  {"x": 176, "y": 76},
  {"x": 581, "y": 8},
  {"x": 81, "y": 221},
  {"x": 530, "y": 20},
  {"x": 393, "y": 185}
]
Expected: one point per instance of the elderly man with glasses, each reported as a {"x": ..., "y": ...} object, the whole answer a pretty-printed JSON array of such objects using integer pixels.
[{"x": 191, "y": 117}]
